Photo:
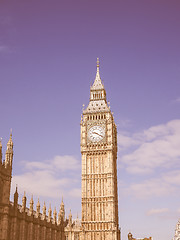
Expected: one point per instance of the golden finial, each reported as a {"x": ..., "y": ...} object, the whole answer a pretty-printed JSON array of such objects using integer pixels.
[
  {"x": 97, "y": 62},
  {"x": 38, "y": 203},
  {"x": 11, "y": 132}
]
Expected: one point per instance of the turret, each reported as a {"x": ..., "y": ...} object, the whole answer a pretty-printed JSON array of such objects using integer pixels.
[
  {"x": 38, "y": 208},
  {"x": 61, "y": 214},
  {"x": 44, "y": 212},
  {"x": 31, "y": 206},
  {"x": 24, "y": 202},
  {"x": 130, "y": 236},
  {"x": 16, "y": 195},
  {"x": 54, "y": 215},
  {"x": 49, "y": 213},
  {"x": 9, "y": 152},
  {"x": 70, "y": 218}
]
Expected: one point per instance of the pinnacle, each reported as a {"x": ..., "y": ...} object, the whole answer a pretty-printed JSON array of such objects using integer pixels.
[
  {"x": 97, "y": 82},
  {"x": 10, "y": 142}
]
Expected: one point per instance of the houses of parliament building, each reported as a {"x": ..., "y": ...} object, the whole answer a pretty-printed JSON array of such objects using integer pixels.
[{"x": 100, "y": 220}]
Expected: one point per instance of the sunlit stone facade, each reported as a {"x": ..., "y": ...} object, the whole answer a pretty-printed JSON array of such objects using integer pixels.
[{"x": 99, "y": 167}]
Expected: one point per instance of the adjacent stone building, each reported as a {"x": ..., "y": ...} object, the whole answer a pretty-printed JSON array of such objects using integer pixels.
[
  {"x": 130, "y": 237},
  {"x": 177, "y": 231},
  {"x": 17, "y": 222}
]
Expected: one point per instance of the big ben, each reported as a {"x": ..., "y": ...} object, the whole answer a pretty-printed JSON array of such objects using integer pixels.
[{"x": 99, "y": 167}]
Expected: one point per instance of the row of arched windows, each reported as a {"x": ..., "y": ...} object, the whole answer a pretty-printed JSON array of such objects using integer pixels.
[{"x": 97, "y": 117}]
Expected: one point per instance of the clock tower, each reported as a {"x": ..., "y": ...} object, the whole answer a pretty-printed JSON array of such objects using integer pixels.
[{"x": 99, "y": 167}]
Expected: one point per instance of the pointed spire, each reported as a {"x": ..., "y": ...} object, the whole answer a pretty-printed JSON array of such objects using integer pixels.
[
  {"x": 9, "y": 151},
  {"x": 24, "y": 202},
  {"x": 10, "y": 142},
  {"x": 59, "y": 217},
  {"x": 62, "y": 203},
  {"x": 70, "y": 218},
  {"x": 16, "y": 195},
  {"x": 49, "y": 213},
  {"x": 55, "y": 215},
  {"x": 31, "y": 206},
  {"x": 61, "y": 214},
  {"x": 38, "y": 208},
  {"x": 44, "y": 211},
  {"x": 97, "y": 82}
]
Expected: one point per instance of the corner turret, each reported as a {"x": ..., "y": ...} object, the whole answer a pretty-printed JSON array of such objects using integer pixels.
[
  {"x": 38, "y": 206},
  {"x": 31, "y": 206},
  {"x": 16, "y": 195},
  {"x": 9, "y": 152},
  {"x": 61, "y": 214},
  {"x": 24, "y": 199},
  {"x": 70, "y": 219}
]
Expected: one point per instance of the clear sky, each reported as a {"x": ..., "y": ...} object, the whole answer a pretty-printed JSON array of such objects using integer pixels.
[{"x": 48, "y": 52}]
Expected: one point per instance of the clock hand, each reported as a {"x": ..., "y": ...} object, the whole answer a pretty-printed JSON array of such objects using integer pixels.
[{"x": 98, "y": 134}]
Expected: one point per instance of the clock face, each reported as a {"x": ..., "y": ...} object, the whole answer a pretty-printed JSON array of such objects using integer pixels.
[{"x": 96, "y": 133}]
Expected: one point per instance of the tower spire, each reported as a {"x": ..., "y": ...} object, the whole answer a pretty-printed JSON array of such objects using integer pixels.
[
  {"x": 97, "y": 82},
  {"x": 98, "y": 100}
]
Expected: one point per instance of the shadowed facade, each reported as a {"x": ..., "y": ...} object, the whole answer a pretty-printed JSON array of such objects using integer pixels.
[{"x": 17, "y": 222}]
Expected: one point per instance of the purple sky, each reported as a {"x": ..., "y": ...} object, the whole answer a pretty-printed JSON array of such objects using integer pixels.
[{"x": 48, "y": 52}]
